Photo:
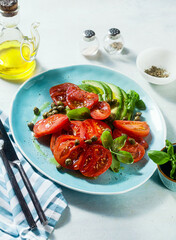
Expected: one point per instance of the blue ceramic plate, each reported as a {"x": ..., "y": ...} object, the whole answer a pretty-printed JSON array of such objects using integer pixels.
[{"x": 35, "y": 92}]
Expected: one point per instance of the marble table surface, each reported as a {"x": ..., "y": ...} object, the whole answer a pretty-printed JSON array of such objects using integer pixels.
[{"x": 148, "y": 212}]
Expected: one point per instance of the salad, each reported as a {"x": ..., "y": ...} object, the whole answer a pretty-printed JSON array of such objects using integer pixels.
[{"x": 94, "y": 127}]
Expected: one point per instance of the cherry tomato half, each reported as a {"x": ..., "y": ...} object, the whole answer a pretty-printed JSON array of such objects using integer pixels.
[
  {"x": 95, "y": 161},
  {"x": 100, "y": 111},
  {"x": 133, "y": 128},
  {"x": 77, "y": 98},
  {"x": 50, "y": 125},
  {"x": 58, "y": 92},
  {"x": 65, "y": 148}
]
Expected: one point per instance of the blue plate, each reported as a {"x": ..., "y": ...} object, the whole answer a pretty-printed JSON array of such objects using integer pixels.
[{"x": 35, "y": 92}]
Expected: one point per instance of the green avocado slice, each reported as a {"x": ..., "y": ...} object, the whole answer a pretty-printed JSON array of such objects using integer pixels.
[
  {"x": 116, "y": 94},
  {"x": 104, "y": 89}
]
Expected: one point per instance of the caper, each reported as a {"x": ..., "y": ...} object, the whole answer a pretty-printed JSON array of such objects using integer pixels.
[
  {"x": 60, "y": 108},
  {"x": 125, "y": 118},
  {"x": 49, "y": 114},
  {"x": 94, "y": 138},
  {"x": 59, "y": 103},
  {"x": 137, "y": 118},
  {"x": 111, "y": 117},
  {"x": 138, "y": 114},
  {"x": 59, "y": 167},
  {"x": 132, "y": 141},
  {"x": 55, "y": 112},
  {"x": 53, "y": 104},
  {"x": 31, "y": 126},
  {"x": 109, "y": 101},
  {"x": 68, "y": 162},
  {"x": 77, "y": 142},
  {"x": 55, "y": 108},
  {"x": 45, "y": 114},
  {"x": 50, "y": 110},
  {"x": 89, "y": 141},
  {"x": 36, "y": 111}
]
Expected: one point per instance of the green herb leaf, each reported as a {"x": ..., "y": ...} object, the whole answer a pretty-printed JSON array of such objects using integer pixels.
[
  {"x": 159, "y": 157},
  {"x": 78, "y": 113},
  {"x": 140, "y": 105},
  {"x": 124, "y": 157},
  {"x": 106, "y": 139},
  {"x": 118, "y": 143},
  {"x": 115, "y": 165}
]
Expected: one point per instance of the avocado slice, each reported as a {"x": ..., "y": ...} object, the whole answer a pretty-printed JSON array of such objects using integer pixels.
[
  {"x": 91, "y": 88},
  {"x": 116, "y": 94},
  {"x": 124, "y": 107},
  {"x": 104, "y": 89}
]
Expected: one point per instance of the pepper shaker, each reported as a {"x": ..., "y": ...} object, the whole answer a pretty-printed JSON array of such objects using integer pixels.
[
  {"x": 89, "y": 43},
  {"x": 113, "y": 41}
]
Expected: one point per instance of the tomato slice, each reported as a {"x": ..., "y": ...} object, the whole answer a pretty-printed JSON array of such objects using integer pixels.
[
  {"x": 100, "y": 111},
  {"x": 137, "y": 149},
  {"x": 77, "y": 128},
  {"x": 77, "y": 98},
  {"x": 133, "y": 128},
  {"x": 58, "y": 92},
  {"x": 65, "y": 148},
  {"x": 95, "y": 161},
  {"x": 141, "y": 141},
  {"x": 92, "y": 127},
  {"x": 50, "y": 125}
]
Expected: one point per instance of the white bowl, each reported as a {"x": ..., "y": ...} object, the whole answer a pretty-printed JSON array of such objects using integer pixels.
[{"x": 161, "y": 58}]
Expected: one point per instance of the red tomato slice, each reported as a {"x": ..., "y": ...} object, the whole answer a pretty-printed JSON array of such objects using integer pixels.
[
  {"x": 100, "y": 111},
  {"x": 94, "y": 127},
  {"x": 77, "y": 128},
  {"x": 137, "y": 150},
  {"x": 133, "y": 128},
  {"x": 95, "y": 161},
  {"x": 77, "y": 98},
  {"x": 50, "y": 125},
  {"x": 65, "y": 148},
  {"x": 58, "y": 92},
  {"x": 141, "y": 141}
]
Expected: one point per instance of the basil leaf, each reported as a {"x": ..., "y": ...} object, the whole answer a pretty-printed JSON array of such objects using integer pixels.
[
  {"x": 124, "y": 157},
  {"x": 118, "y": 143},
  {"x": 158, "y": 157},
  {"x": 78, "y": 113},
  {"x": 115, "y": 165},
  {"x": 140, "y": 105},
  {"x": 106, "y": 139}
]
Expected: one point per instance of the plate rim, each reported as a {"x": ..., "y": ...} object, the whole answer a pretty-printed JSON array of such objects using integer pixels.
[{"x": 49, "y": 177}]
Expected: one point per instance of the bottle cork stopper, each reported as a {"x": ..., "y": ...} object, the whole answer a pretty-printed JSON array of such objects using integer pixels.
[{"x": 8, "y": 5}]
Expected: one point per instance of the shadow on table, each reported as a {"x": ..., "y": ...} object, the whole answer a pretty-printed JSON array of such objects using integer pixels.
[
  {"x": 140, "y": 201},
  {"x": 104, "y": 58}
]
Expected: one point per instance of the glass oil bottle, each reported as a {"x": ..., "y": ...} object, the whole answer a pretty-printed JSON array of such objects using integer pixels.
[{"x": 17, "y": 52}]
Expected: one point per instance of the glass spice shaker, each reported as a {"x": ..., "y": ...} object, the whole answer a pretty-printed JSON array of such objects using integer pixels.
[
  {"x": 113, "y": 41},
  {"x": 89, "y": 43}
]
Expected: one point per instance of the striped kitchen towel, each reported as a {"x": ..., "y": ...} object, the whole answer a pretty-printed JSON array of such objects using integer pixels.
[{"x": 13, "y": 224}]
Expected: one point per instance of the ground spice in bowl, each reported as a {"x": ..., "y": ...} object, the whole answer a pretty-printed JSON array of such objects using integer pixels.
[{"x": 157, "y": 72}]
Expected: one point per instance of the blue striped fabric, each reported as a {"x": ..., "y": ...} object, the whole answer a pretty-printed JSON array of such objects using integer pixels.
[{"x": 13, "y": 224}]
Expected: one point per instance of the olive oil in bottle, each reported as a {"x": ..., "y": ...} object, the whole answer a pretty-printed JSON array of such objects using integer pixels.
[
  {"x": 12, "y": 65},
  {"x": 17, "y": 52}
]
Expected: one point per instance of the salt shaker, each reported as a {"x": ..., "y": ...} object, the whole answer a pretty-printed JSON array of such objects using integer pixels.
[
  {"x": 89, "y": 43},
  {"x": 113, "y": 41}
]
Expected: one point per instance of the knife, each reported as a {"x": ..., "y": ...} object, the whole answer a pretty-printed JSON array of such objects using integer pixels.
[{"x": 10, "y": 155}]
